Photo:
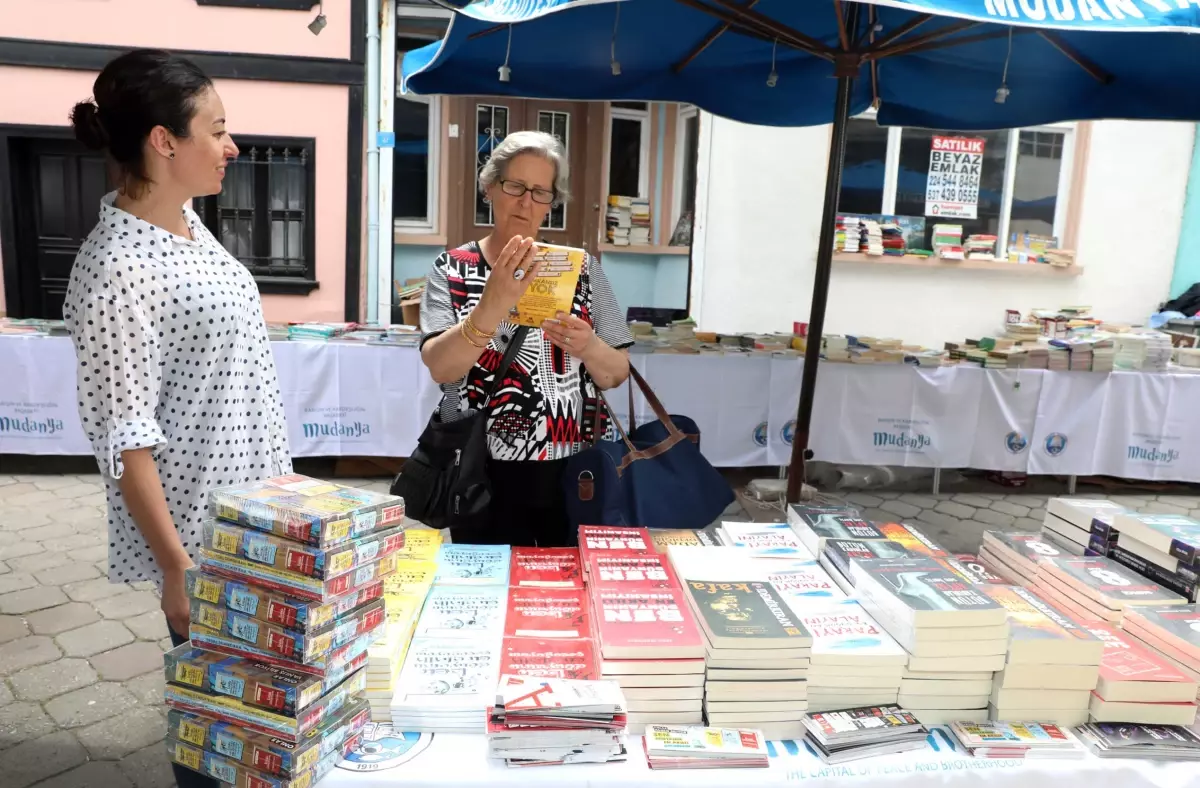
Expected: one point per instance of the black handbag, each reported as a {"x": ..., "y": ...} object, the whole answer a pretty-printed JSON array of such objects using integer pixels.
[{"x": 444, "y": 483}]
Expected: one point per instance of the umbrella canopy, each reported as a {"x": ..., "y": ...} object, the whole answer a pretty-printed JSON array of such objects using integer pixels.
[{"x": 929, "y": 63}]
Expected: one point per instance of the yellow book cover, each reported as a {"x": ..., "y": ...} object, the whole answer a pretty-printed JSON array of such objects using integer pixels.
[
  {"x": 553, "y": 290},
  {"x": 420, "y": 543}
]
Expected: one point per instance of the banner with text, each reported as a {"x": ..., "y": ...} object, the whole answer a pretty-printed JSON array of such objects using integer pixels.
[
  {"x": 39, "y": 412},
  {"x": 1070, "y": 412},
  {"x": 1150, "y": 429},
  {"x": 955, "y": 171},
  {"x": 1008, "y": 407}
]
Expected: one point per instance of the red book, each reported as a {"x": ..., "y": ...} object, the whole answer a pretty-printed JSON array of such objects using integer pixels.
[
  {"x": 612, "y": 539},
  {"x": 547, "y": 613},
  {"x": 553, "y": 659},
  {"x": 545, "y": 567},
  {"x": 632, "y": 571},
  {"x": 654, "y": 624},
  {"x": 1129, "y": 672}
]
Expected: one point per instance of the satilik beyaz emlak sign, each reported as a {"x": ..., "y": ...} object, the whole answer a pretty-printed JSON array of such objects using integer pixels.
[{"x": 955, "y": 169}]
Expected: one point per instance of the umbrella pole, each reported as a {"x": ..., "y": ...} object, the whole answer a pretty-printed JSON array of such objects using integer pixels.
[{"x": 820, "y": 296}]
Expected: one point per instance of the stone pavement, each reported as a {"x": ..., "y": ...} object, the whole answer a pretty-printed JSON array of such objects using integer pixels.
[{"x": 81, "y": 676}]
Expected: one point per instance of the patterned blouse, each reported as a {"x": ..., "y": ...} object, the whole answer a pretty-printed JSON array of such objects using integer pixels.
[{"x": 545, "y": 408}]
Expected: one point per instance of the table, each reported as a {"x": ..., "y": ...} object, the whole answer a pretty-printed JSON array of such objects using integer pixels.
[
  {"x": 353, "y": 400},
  {"x": 454, "y": 760}
]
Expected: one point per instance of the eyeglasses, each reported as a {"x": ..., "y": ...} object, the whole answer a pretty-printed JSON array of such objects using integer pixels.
[{"x": 518, "y": 189}]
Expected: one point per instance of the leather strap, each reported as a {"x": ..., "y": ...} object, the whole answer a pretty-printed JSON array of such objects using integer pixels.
[
  {"x": 510, "y": 353},
  {"x": 674, "y": 434}
]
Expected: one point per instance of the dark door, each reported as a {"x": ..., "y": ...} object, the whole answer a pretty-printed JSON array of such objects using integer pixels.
[{"x": 57, "y": 192}]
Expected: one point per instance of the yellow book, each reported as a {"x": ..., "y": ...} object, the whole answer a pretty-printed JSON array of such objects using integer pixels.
[
  {"x": 420, "y": 543},
  {"x": 553, "y": 290}
]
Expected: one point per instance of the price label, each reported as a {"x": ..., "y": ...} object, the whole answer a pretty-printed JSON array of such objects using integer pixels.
[
  {"x": 228, "y": 684},
  {"x": 261, "y": 550},
  {"x": 364, "y": 574},
  {"x": 187, "y": 756},
  {"x": 341, "y": 562},
  {"x": 243, "y": 600},
  {"x": 307, "y": 760},
  {"x": 303, "y": 781},
  {"x": 244, "y": 628},
  {"x": 322, "y": 643},
  {"x": 338, "y": 530},
  {"x": 230, "y": 746},
  {"x": 365, "y": 521},
  {"x": 189, "y": 674},
  {"x": 191, "y": 732},
  {"x": 207, "y": 590},
  {"x": 225, "y": 772},
  {"x": 226, "y": 541},
  {"x": 211, "y": 617},
  {"x": 366, "y": 552}
]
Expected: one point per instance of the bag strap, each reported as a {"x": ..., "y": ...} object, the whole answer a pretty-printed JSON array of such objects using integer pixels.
[{"x": 510, "y": 353}]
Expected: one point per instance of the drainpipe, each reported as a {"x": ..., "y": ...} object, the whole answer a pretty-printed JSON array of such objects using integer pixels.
[{"x": 372, "y": 128}]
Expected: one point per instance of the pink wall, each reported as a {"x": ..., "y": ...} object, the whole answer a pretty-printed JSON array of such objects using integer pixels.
[
  {"x": 180, "y": 24},
  {"x": 44, "y": 97}
]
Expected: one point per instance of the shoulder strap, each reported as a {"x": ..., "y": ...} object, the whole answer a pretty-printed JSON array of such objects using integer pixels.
[{"x": 514, "y": 345}]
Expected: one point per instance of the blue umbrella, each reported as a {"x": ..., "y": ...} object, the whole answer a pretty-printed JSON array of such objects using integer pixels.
[{"x": 943, "y": 64}]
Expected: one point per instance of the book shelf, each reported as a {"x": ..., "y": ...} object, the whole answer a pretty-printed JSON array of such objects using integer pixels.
[
  {"x": 645, "y": 249},
  {"x": 911, "y": 261}
]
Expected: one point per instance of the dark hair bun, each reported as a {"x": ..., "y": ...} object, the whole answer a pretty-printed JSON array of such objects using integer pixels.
[{"x": 85, "y": 118}]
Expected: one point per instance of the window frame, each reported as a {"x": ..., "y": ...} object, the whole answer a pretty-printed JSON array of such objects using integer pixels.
[
  {"x": 643, "y": 117},
  {"x": 567, "y": 154},
  {"x": 684, "y": 113},
  {"x": 1069, "y": 130},
  {"x": 210, "y": 215},
  {"x": 276, "y": 5},
  {"x": 433, "y": 171}
]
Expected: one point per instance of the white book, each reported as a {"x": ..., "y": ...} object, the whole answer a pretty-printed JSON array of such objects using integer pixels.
[
  {"x": 1081, "y": 511},
  {"x": 463, "y": 612},
  {"x": 448, "y": 675},
  {"x": 769, "y": 540},
  {"x": 801, "y": 584},
  {"x": 473, "y": 564},
  {"x": 845, "y": 634}
]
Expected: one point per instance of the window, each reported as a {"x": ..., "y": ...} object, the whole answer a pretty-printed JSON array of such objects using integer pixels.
[
  {"x": 557, "y": 124},
  {"x": 687, "y": 151},
  {"x": 264, "y": 214},
  {"x": 1023, "y": 184},
  {"x": 629, "y": 150},
  {"x": 491, "y": 127},
  {"x": 415, "y": 163}
]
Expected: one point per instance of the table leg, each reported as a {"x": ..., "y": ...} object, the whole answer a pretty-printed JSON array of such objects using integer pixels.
[{"x": 937, "y": 480}]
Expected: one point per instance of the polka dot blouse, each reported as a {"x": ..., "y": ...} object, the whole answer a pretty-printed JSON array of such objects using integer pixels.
[{"x": 174, "y": 357}]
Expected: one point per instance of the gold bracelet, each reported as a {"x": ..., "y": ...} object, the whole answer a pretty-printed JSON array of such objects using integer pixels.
[
  {"x": 475, "y": 329},
  {"x": 462, "y": 329}
]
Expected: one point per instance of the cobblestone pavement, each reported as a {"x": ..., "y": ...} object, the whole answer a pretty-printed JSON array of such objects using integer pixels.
[{"x": 81, "y": 677}]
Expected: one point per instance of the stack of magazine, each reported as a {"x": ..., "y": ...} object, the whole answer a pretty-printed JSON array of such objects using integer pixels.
[
  {"x": 851, "y": 734},
  {"x": 1017, "y": 740},
  {"x": 1145, "y": 742},
  {"x": 541, "y": 722},
  {"x": 694, "y": 747}
]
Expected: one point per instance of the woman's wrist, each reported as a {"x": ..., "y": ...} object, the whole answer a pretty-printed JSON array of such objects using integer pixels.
[{"x": 484, "y": 319}]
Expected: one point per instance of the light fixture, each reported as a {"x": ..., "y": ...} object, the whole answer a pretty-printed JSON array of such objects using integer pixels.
[
  {"x": 773, "y": 77},
  {"x": 318, "y": 24},
  {"x": 615, "y": 64},
  {"x": 505, "y": 73},
  {"x": 1002, "y": 92}
]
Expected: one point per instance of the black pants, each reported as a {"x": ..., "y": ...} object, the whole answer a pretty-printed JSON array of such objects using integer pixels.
[
  {"x": 528, "y": 507},
  {"x": 185, "y": 777}
]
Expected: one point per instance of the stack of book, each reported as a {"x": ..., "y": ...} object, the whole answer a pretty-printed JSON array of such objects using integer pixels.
[
  {"x": 647, "y": 636},
  {"x": 1162, "y": 547},
  {"x": 769, "y": 540},
  {"x": 404, "y": 594},
  {"x": 663, "y": 538},
  {"x": 618, "y": 219},
  {"x": 548, "y": 629},
  {"x": 1142, "y": 349},
  {"x": 453, "y": 663},
  {"x": 1098, "y": 589},
  {"x": 548, "y": 721},
  {"x": 1138, "y": 685},
  {"x": 1017, "y": 740},
  {"x": 955, "y": 635},
  {"x": 854, "y": 661},
  {"x": 872, "y": 237},
  {"x": 284, "y": 605},
  {"x": 1017, "y": 557},
  {"x": 1173, "y": 632},
  {"x": 852, "y": 734},
  {"x": 756, "y": 652},
  {"x": 1068, "y": 522},
  {"x": 838, "y": 554},
  {"x": 947, "y": 241},
  {"x": 980, "y": 247},
  {"x": 815, "y": 523},
  {"x": 1141, "y": 742},
  {"x": 1052, "y": 664},
  {"x": 639, "y": 221},
  {"x": 694, "y": 747}
]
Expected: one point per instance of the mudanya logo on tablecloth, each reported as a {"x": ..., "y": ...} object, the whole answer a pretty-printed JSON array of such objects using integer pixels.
[
  {"x": 909, "y": 441},
  {"x": 29, "y": 426},
  {"x": 1152, "y": 454},
  {"x": 343, "y": 423}
]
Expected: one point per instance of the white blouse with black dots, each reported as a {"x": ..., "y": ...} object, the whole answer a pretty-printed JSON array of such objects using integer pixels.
[{"x": 173, "y": 356}]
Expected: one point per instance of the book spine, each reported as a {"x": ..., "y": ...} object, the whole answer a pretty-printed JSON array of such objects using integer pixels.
[
  {"x": 1188, "y": 554},
  {"x": 1168, "y": 580},
  {"x": 1105, "y": 531}
]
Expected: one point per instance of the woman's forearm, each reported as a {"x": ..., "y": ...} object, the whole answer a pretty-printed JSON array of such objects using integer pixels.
[
  {"x": 608, "y": 366},
  {"x": 449, "y": 356},
  {"x": 142, "y": 490}
]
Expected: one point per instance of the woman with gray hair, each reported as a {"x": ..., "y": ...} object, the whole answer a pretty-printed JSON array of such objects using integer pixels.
[{"x": 545, "y": 409}]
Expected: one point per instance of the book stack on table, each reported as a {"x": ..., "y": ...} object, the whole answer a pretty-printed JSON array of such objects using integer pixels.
[
  {"x": 1017, "y": 740},
  {"x": 1100, "y": 589},
  {"x": 284, "y": 606},
  {"x": 404, "y": 593},
  {"x": 852, "y": 734},
  {"x": 1141, "y": 742},
  {"x": 854, "y": 661},
  {"x": 547, "y": 721},
  {"x": 676, "y": 747},
  {"x": 1017, "y": 557},
  {"x": 1138, "y": 685},
  {"x": 1165, "y": 548},
  {"x": 1068, "y": 521},
  {"x": 647, "y": 636},
  {"x": 1172, "y": 632},
  {"x": 1052, "y": 664}
]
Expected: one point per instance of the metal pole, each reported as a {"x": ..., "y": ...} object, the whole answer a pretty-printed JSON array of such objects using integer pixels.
[
  {"x": 816, "y": 315},
  {"x": 372, "y": 124}
]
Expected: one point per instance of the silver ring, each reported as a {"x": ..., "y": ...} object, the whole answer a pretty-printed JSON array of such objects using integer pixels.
[
  {"x": 567, "y": 340},
  {"x": 519, "y": 274}
]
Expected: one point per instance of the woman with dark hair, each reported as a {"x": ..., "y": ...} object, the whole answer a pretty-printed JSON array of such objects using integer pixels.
[{"x": 177, "y": 386}]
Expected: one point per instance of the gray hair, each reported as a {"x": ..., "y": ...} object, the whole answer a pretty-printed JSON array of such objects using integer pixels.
[{"x": 538, "y": 143}]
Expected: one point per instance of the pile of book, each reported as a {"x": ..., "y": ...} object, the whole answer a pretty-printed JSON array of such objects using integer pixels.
[
  {"x": 1052, "y": 664},
  {"x": 872, "y": 237},
  {"x": 285, "y": 604},
  {"x": 1162, "y": 547},
  {"x": 980, "y": 247},
  {"x": 404, "y": 593},
  {"x": 1017, "y": 740},
  {"x": 1139, "y": 685},
  {"x": 956, "y": 636},
  {"x": 893, "y": 239},
  {"x": 1172, "y": 632},
  {"x": 453, "y": 663},
  {"x": 1142, "y": 349},
  {"x": 847, "y": 234},
  {"x": 628, "y": 220},
  {"x": 851, "y": 734},
  {"x": 1016, "y": 556},
  {"x": 551, "y": 721},
  {"x": 647, "y": 636},
  {"x": 1141, "y": 742},
  {"x": 947, "y": 241},
  {"x": 694, "y": 747},
  {"x": 756, "y": 652},
  {"x": 854, "y": 661},
  {"x": 639, "y": 220},
  {"x": 1097, "y": 588},
  {"x": 1069, "y": 521}
]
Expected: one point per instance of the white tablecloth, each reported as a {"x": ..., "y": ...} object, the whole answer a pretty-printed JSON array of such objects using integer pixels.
[
  {"x": 454, "y": 761},
  {"x": 344, "y": 399}
]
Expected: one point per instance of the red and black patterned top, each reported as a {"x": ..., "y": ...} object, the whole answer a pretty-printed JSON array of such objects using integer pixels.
[{"x": 545, "y": 409}]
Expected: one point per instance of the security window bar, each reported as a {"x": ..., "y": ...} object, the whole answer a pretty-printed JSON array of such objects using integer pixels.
[
  {"x": 558, "y": 125},
  {"x": 491, "y": 127}
]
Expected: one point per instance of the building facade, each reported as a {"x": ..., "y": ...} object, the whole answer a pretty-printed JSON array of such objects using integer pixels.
[{"x": 292, "y": 205}]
